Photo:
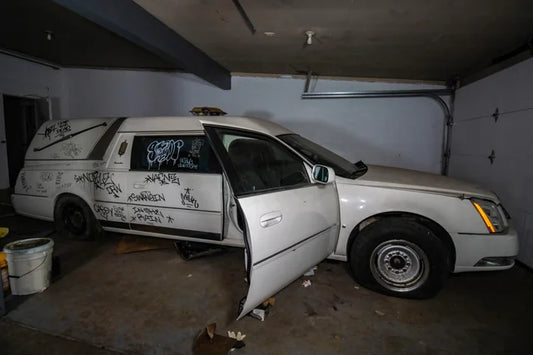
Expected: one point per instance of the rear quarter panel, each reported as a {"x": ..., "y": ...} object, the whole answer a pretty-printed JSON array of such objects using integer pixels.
[{"x": 39, "y": 185}]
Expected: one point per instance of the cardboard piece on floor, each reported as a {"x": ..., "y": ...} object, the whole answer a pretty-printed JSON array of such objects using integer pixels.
[
  {"x": 132, "y": 244},
  {"x": 209, "y": 343},
  {"x": 261, "y": 311}
]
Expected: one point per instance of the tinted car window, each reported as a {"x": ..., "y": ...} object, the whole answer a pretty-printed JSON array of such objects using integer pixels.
[
  {"x": 260, "y": 163},
  {"x": 173, "y": 153}
]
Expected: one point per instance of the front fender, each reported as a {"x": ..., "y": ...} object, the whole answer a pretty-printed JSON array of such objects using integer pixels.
[{"x": 358, "y": 203}]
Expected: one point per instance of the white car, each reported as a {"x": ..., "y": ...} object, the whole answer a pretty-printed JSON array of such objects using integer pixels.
[{"x": 251, "y": 183}]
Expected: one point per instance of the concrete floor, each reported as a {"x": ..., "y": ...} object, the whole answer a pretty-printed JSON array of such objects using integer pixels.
[{"x": 154, "y": 302}]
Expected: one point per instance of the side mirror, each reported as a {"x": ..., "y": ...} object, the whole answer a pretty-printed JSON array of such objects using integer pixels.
[{"x": 323, "y": 174}]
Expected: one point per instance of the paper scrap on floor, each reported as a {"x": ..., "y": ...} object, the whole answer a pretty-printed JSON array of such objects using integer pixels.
[{"x": 311, "y": 271}]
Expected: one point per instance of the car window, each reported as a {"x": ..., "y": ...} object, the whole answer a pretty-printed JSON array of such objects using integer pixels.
[
  {"x": 173, "y": 153},
  {"x": 260, "y": 163}
]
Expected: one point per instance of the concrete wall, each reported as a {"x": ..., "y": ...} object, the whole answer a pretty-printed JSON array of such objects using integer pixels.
[
  {"x": 26, "y": 79},
  {"x": 404, "y": 132},
  {"x": 476, "y": 134}
]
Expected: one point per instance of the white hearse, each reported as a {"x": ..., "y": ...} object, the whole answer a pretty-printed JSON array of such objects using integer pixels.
[{"x": 251, "y": 183}]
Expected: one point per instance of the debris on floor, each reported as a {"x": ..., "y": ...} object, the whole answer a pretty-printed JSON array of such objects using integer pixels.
[
  {"x": 132, "y": 244},
  {"x": 239, "y": 336},
  {"x": 4, "y": 273},
  {"x": 269, "y": 302},
  {"x": 190, "y": 250},
  {"x": 261, "y": 311},
  {"x": 306, "y": 283},
  {"x": 379, "y": 313},
  {"x": 311, "y": 271},
  {"x": 210, "y": 343}
]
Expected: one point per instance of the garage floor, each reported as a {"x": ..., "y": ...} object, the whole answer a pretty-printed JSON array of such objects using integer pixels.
[{"x": 153, "y": 302}]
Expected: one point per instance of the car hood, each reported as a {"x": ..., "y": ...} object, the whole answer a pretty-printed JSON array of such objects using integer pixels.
[{"x": 396, "y": 178}]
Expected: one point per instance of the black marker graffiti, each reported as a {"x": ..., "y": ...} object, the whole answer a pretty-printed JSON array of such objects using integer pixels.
[
  {"x": 102, "y": 181},
  {"x": 24, "y": 182},
  {"x": 188, "y": 200},
  {"x": 149, "y": 215},
  {"x": 70, "y": 149},
  {"x": 41, "y": 189},
  {"x": 146, "y": 196},
  {"x": 162, "y": 179},
  {"x": 148, "y": 210},
  {"x": 102, "y": 210},
  {"x": 46, "y": 176},
  {"x": 57, "y": 130},
  {"x": 59, "y": 178},
  {"x": 114, "y": 211},
  {"x": 159, "y": 152}
]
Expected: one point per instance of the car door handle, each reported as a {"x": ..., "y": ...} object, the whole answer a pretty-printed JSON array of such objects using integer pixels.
[
  {"x": 270, "y": 219},
  {"x": 139, "y": 185}
]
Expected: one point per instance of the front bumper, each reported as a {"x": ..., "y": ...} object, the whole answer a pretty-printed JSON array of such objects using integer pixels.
[{"x": 485, "y": 252}]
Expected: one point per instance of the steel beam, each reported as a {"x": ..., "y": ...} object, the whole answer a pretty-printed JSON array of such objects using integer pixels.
[{"x": 130, "y": 21}]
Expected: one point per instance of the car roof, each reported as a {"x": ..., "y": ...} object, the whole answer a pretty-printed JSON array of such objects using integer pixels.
[{"x": 195, "y": 123}]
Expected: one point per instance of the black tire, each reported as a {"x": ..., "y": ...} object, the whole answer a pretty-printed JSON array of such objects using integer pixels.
[
  {"x": 399, "y": 257},
  {"x": 74, "y": 219}
]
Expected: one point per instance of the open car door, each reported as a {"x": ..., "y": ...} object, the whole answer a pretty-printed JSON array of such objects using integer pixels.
[{"x": 290, "y": 221}]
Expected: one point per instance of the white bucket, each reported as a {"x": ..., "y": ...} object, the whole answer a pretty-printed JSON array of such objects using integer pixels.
[{"x": 29, "y": 262}]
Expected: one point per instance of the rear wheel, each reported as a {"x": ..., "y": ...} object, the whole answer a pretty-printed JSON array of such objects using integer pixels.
[
  {"x": 74, "y": 219},
  {"x": 399, "y": 257}
]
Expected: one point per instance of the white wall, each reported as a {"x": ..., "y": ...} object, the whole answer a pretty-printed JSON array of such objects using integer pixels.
[
  {"x": 23, "y": 78},
  {"x": 404, "y": 132},
  {"x": 476, "y": 134}
]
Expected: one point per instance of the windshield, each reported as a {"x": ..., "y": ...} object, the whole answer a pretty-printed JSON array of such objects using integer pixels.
[{"x": 320, "y": 155}]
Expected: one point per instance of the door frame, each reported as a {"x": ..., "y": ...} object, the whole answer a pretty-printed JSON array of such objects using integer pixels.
[{"x": 39, "y": 119}]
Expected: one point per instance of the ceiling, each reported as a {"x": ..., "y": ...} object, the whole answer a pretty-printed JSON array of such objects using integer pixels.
[
  {"x": 416, "y": 40},
  {"x": 76, "y": 41}
]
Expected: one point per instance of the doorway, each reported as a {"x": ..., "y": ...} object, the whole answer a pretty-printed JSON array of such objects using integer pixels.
[{"x": 22, "y": 116}]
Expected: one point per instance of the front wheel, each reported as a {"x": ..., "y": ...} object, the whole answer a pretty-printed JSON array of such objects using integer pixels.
[{"x": 399, "y": 257}]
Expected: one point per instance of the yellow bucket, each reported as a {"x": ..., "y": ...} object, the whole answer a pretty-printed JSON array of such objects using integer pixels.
[
  {"x": 3, "y": 232},
  {"x": 4, "y": 272}
]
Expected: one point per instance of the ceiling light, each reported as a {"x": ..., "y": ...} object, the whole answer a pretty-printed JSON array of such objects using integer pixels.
[
  {"x": 309, "y": 40},
  {"x": 49, "y": 35}
]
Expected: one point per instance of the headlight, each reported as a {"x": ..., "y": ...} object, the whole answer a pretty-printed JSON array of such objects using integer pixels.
[{"x": 490, "y": 214}]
